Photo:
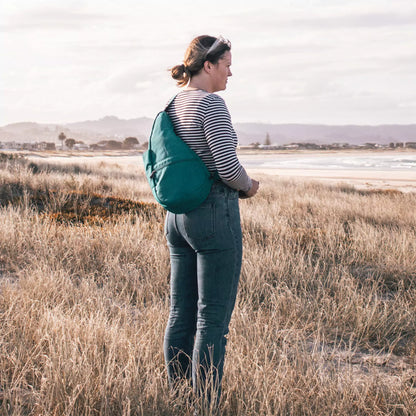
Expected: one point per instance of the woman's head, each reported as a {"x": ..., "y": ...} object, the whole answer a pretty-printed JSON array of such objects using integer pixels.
[{"x": 201, "y": 49}]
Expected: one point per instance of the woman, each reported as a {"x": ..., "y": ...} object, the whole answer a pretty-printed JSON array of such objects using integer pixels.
[{"x": 205, "y": 244}]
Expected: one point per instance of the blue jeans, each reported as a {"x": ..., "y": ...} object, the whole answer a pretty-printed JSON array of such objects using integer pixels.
[{"x": 205, "y": 253}]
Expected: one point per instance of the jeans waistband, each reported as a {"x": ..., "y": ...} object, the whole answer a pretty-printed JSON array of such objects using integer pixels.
[{"x": 220, "y": 188}]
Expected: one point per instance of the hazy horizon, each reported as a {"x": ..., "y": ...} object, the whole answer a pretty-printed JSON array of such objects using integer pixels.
[
  {"x": 302, "y": 62},
  {"x": 235, "y": 123}
]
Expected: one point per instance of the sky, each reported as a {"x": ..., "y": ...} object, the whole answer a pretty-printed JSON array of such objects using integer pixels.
[{"x": 299, "y": 61}]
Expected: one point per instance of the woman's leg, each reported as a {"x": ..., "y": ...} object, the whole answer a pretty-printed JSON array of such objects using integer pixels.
[
  {"x": 218, "y": 275},
  {"x": 181, "y": 327}
]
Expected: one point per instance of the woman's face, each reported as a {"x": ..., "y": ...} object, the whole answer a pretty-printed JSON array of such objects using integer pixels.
[{"x": 222, "y": 72}]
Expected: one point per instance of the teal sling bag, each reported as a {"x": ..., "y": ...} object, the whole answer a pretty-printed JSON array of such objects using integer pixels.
[{"x": 178, "y": 178}]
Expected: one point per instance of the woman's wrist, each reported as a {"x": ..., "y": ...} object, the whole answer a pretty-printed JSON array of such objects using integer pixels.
[
  {"x": 249, "y": 185},
  {"x": 253, "y": 189}
]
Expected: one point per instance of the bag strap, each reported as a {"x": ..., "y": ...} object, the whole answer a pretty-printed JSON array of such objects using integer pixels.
[
  {"x": 166, "y": 107},
  {"x": 170, "y": 102}
]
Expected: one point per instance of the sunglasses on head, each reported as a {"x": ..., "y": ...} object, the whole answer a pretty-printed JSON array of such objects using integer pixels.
[{"x": 219, "y": 41}]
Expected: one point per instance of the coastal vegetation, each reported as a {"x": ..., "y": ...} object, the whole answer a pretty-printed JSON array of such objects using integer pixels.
[{"x": 325, "y": 321}]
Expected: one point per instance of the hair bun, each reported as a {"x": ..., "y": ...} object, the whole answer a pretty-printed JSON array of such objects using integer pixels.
[{"x": 181, "y": 74}]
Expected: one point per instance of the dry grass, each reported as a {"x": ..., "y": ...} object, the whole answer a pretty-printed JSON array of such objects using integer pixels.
[{"x": 325, "y": 321}]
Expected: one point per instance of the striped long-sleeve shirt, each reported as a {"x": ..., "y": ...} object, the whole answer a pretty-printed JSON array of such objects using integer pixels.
[{"x": 202, "y": 121}]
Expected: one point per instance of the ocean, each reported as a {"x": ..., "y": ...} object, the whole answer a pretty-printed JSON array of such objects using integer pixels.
[{"x": 331, "y": 162}]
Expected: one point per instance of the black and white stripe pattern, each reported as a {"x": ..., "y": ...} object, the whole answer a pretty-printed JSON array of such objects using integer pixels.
[{"x": 202, "y": 121}]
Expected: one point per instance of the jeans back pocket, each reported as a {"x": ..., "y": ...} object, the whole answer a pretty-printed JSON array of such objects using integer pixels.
[{"x": 199, "y": 224}]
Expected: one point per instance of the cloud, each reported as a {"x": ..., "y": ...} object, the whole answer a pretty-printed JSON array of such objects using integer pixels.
[
  {"x": 358, "y": 20},
  {"x": 408, "y": 104},
  {"x": 129, "y": 81},
  {"x": 321, "y": 15},
  {"x": 53, "y": 17},
  {"x": 291, "y": 58}
]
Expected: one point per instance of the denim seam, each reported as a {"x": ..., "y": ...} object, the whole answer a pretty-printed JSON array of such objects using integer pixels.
[{"x": 227, "y": 317}]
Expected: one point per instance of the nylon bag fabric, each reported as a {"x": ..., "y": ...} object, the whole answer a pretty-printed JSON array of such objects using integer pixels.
[{"x": 178, "y": 178}]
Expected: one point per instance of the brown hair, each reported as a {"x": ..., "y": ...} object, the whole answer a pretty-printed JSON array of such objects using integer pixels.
[{"x": 196, "y": 55}]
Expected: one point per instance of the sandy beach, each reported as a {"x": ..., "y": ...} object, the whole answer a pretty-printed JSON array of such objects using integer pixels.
[{"x": 403, "y": 179}]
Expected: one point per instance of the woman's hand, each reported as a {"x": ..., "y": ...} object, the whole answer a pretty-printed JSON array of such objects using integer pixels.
[{"x": 252, "y": 191}]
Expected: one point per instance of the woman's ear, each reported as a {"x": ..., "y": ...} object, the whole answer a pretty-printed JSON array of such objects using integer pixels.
[{"x": 207, "y": 66}]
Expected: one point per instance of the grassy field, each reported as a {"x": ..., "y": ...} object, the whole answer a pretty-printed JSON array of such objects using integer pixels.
[{"x": 325, "y": 321}]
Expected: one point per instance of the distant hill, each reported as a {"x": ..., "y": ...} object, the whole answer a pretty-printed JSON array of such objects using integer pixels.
[
  {"x": 90, "y": 131},
  {"x": 324, "y": 134},
  {"x": 112, "y": 127}
]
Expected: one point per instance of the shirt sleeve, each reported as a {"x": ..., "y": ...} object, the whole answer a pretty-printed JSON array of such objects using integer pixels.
[{"x": 222, "y": 142}]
